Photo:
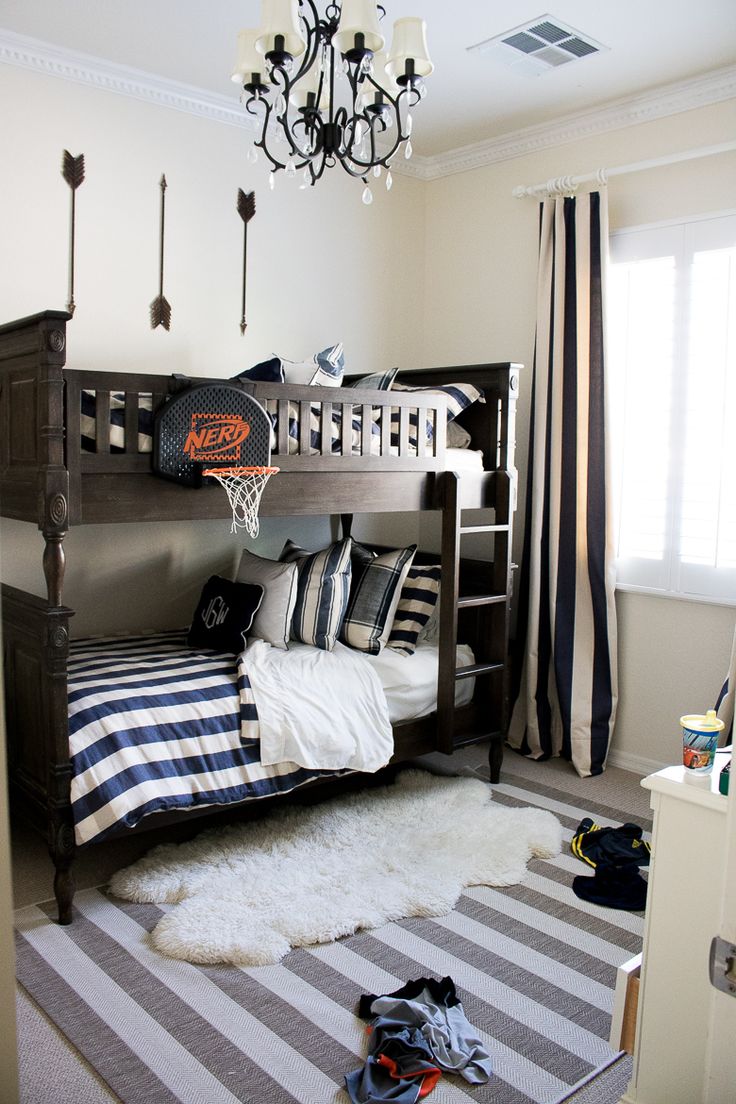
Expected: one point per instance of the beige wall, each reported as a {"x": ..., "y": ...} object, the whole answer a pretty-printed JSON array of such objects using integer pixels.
[
  {"x": 480, "y": 304},
  {"x": 436, "y": 273},
  {"x": 322, "y": 267}
]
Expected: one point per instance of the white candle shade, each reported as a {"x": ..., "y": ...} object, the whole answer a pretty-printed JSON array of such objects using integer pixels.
[
  {"x": 359, "y": 17},
  {"x": 309, "y": 83},
  {"x": 249, "y": 60},
  {"x": 281, "y": 17},
  {"x": 409, "y": 41}
]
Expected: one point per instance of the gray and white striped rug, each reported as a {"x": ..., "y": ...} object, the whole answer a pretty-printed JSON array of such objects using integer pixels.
[{"x": 534, "y": 966}]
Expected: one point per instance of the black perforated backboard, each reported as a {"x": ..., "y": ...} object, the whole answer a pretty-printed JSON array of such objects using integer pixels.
[{"x": 209, "y": 426}]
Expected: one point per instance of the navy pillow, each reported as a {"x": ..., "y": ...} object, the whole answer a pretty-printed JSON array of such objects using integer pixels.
[
  {"x": 268, "y": 371},
  {"x": 224, "y": 615}
]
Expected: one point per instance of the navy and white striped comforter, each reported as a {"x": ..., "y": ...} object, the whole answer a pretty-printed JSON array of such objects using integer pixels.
[{"x": 154, "y": 725}]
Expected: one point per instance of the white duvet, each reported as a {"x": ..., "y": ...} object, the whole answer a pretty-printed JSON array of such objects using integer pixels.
[{"x": 321, "y": 710}]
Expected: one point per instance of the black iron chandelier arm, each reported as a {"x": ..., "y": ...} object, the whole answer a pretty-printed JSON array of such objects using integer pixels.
[
  {"x": 316, "y": 33},
  {"x": 282, "y": 119},
  {"x": 361, "y": 168},
  {"x": 251, "y": 103},
  {"x": 378, "y": 125}
]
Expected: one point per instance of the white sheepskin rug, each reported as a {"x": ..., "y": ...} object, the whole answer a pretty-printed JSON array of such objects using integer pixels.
[{"x": 248, "y": 893}]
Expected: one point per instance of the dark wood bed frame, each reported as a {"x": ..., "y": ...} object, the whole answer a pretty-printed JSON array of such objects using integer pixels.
[{"x": 46, "y": 478}]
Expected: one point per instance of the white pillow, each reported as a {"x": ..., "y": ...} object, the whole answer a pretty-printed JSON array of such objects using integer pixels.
[{"x": 279, "y": 581}]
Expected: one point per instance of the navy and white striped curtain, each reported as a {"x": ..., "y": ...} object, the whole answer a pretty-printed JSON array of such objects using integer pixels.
[{"x": 569, "y": 686}]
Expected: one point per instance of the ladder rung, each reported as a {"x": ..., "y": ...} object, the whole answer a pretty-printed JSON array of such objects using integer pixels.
[
  {"x": 484, "y": 528},
  {"x": 477, "y": 669},
  {"x": 480, "y": 600}
]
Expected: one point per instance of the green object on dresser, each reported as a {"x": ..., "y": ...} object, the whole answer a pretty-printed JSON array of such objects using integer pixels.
[{"x": 724, "y": 777}]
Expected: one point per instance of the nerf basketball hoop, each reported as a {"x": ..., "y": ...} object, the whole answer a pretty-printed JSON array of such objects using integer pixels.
[
  {"x": 217, "y": 431},
  {"x": 244, "y": 487}
]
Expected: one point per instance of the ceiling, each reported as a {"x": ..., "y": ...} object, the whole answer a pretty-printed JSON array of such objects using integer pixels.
[{"x": 471, "y": 97}]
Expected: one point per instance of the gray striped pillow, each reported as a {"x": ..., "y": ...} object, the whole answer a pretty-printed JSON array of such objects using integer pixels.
[
  {"x": 322, "y": 592},
  {"x": 416, "y": 605},
  {"x": 374, "y": 596},
  {"x": 459, "y": 395}
]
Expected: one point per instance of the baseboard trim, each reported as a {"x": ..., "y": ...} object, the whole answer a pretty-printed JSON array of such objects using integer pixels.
[{"x": 635, "y": 763}]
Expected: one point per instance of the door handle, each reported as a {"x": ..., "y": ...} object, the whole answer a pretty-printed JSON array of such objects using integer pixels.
[{"x": 722, "y": 965}]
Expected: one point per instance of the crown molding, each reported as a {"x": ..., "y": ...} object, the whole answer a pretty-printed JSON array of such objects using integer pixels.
[
  {"x": 72, "y": 65},
  {"x": 57, "y": 61},
  {"x": 669, "y": 99}
]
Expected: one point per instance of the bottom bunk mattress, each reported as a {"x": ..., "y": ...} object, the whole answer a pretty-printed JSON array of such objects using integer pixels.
[{"x": 155, "y": 725}]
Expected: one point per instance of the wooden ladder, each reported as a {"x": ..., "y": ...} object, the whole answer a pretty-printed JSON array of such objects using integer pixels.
[{"x": 485, "y": 587}]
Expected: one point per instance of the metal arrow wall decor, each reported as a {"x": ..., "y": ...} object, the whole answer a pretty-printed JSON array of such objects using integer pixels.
[
  {"x": 72, "y": 169},
  {"x": 160, "y": 307},
  {"x": 246, "y": 209}
]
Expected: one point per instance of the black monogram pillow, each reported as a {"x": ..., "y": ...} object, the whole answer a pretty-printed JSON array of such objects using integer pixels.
[{"x": 224, "y": 616}]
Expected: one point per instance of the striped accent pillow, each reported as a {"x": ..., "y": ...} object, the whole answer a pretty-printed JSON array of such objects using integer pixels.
[
  {"x": 380, "y": 381},
  {"x": 374, "y": 596},
  {"x": 322, "y": 592},
  {"x": 459, "y": 395},
  {"x": 417, "y": 603}
]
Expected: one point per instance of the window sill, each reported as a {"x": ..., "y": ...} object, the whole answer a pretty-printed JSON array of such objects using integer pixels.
[{"x": 629, "y": 588}]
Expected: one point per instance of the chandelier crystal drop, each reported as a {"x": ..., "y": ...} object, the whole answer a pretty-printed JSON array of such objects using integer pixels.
[{"x": 324, "y": 91}]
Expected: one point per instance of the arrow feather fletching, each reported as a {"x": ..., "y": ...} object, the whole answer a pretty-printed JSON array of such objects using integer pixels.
[
  {"x": 72, "y": 169},
  {"x": 160, "y": 313},
  {"x": 246, "y": 205}
]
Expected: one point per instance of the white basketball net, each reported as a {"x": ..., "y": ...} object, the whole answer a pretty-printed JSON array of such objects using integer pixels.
[{"x": 244, "y": 487}]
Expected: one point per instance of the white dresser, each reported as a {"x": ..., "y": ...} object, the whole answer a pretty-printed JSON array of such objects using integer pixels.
[{"x": 682, "y": 916}]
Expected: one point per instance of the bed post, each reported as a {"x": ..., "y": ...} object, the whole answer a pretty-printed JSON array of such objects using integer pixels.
[
  {"x": 53, "y": 474},
  {"x": 61, "y": 843},
  {"x": 36, "y": 647},
  {"x": 34, "y": 480}
]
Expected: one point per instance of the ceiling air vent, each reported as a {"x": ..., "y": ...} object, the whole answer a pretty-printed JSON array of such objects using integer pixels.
[{"x": 536, "y": 47}]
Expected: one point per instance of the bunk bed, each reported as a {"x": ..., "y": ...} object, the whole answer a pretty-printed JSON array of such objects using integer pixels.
[{"x": 50, "y": 478}]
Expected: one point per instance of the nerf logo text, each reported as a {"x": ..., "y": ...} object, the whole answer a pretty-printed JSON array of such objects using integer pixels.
[{"x": 216, "y": 437}]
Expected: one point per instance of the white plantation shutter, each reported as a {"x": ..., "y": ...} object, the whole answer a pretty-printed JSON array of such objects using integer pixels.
[{"x": 672, "y": 345}]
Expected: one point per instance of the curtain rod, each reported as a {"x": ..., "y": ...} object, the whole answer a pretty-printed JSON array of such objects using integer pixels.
[{"x": 561, "y": 185}]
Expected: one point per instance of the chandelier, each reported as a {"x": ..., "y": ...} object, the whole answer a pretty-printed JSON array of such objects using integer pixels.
[{"x": 325, "y": 92}]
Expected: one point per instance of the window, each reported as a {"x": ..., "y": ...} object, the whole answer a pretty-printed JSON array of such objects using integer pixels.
[{"x": 672, "y": 370}]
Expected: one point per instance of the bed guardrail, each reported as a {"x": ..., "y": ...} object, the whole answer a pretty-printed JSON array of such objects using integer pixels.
[{"x": 347, "y": 429}]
